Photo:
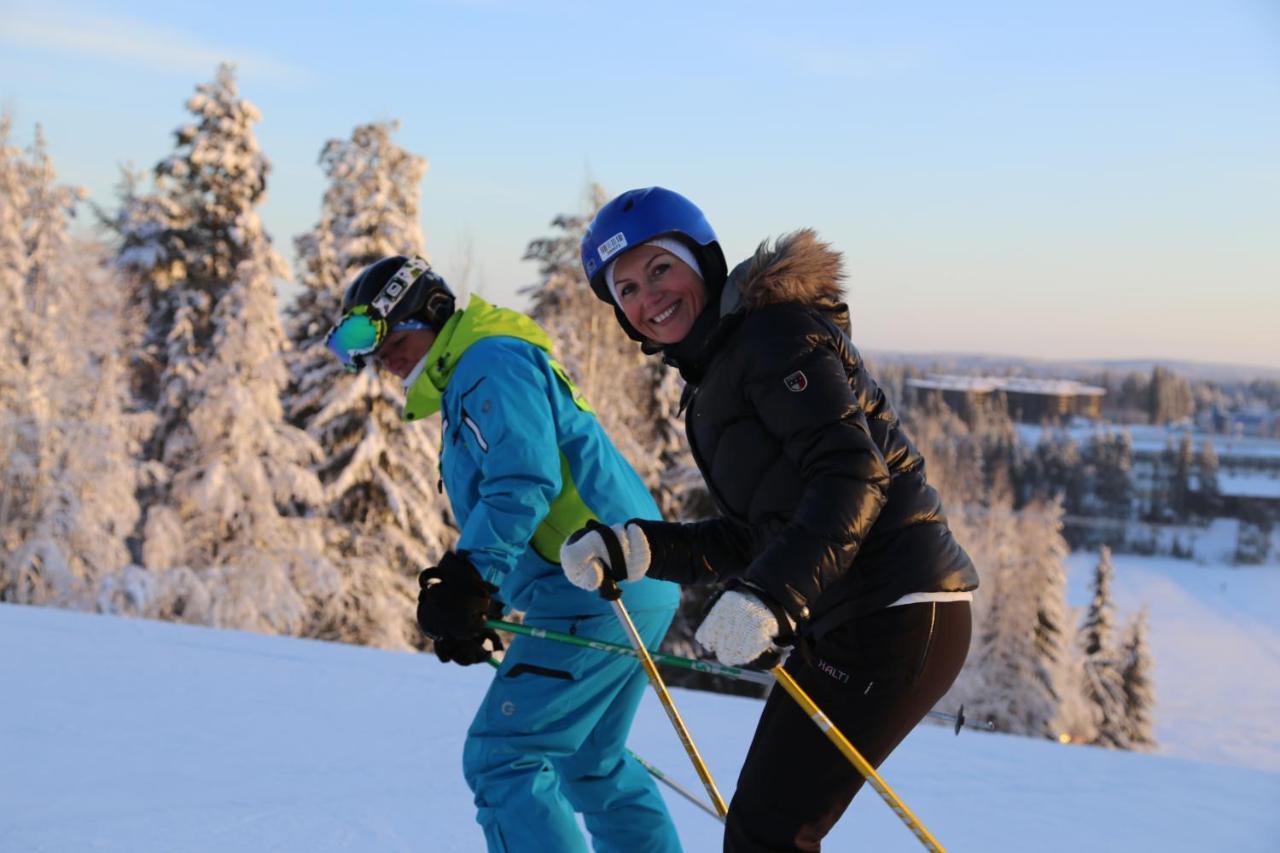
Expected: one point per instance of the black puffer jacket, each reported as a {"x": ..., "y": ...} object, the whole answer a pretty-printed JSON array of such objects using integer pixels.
[{"x": 823, "y": 497}]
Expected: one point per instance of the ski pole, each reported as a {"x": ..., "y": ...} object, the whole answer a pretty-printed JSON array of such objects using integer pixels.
[
  {"x": 828, "y": 728},
  {"x": 610, "y": 592},
  {"x": 657, "y": 774},
  {"x": 673, "y": 785},
  {"x": 709, "y": 667},
  {"x": 961, "y": 723}
]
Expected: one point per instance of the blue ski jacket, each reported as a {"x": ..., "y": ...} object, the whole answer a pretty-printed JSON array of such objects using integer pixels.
[{"x": 524, "y": 460}]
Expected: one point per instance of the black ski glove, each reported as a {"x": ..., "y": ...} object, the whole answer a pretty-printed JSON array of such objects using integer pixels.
[
  {"x": 467, "y": 652},
  {"x": 453, "y": 604}
]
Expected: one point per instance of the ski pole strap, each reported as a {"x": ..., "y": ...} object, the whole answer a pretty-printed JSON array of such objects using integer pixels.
[
  {"x": 707, "y": 666},
  {"x": 617, "y": 568},
  {"x": 828, "y": 728}
]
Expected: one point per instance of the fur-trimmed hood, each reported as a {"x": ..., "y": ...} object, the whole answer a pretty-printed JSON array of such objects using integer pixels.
[{"x": 797, "y": 267}]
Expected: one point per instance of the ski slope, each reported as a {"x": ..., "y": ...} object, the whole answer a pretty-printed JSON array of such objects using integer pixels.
[{"x": 128, "y": 736}]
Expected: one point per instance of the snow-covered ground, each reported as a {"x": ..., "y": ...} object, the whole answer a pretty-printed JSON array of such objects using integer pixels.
[
  {"x": 1215, "y": 638},
  {"x": 141, "y": 737}
]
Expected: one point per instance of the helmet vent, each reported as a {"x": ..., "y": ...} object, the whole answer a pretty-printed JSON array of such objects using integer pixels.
[{"x": 630, "y": 204}]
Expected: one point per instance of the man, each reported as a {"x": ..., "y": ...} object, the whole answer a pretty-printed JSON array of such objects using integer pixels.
[{"x": 524, "y": 463}]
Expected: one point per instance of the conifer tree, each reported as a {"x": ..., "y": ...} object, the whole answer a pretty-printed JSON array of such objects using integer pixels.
[
  {"x": 67, "y": 482},
  {"x": 149, "y": 256},
  {"x": 1210, "y": 491},
  {"x": 1019, "y": 654},
  {"x": 1109, "y": 457},
  {"x": 677, "y": 484},
  {"x": 1102, "y": 661},
  {"x": 19, "y": 430},
  {"x": 227, "y": 534},
  {"x": 1040, "y": 528},
  {"x": 1170, "y": 397},
  {"x": 606, "y": 364},
  {"x": 1180, "y": 486},
  {"x": 1139, "y": 691},
  {"x": 386, "y": 518},
  {"x": 13, "y": 275}
]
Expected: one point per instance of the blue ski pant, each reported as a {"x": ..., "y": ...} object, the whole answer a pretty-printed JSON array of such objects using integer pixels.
[{"x": 549, "y": 740}]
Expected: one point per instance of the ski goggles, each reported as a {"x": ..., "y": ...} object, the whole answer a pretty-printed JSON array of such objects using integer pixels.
[{"x": 360, "y": 333}]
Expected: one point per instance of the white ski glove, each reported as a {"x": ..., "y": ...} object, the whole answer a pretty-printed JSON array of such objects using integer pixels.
[
  {"x": 585, "y": 557},
  {"x": 740, "y": 629}
]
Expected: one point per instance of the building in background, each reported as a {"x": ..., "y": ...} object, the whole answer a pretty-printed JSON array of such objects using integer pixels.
[{"x": 1027, "y": 400}]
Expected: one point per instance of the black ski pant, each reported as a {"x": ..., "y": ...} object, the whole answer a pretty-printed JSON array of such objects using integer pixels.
[{"x": 876, "y": 678}]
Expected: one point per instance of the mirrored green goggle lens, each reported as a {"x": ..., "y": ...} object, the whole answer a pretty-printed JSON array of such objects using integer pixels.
[{"x": 355, "y": 337}]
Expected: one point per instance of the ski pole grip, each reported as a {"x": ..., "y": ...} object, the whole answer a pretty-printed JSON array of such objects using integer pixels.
[
  {"x": 617, "y": 567},
  {"x": 609, "y": 590}
]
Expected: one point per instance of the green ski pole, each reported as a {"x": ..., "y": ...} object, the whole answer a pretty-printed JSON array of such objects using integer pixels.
[{"x": 710, "y": 667}]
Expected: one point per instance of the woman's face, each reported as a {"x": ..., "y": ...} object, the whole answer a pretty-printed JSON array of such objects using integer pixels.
[
  {"x": 401, "y": 351},
  {"x": 660, "y": 294}
]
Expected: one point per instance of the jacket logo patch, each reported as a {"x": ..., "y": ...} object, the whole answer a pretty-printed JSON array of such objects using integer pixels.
[{"x": 796, "y": 381}]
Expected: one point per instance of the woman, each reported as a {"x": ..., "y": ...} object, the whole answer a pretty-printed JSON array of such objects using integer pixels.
[{"x": 830, "y": 538}]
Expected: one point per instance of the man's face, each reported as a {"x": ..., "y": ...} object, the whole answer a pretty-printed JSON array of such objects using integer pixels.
[{"x": 401, "y": 351}]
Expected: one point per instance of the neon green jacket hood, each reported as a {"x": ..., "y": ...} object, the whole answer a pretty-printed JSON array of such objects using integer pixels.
[{"x": 479, "y": 320}]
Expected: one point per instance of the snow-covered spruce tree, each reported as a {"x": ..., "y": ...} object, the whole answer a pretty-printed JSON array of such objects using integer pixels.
[
  {"x": 19, "y": 432},
  {"x": 608, "y": 366},
  {"x": 1139, "y": 691},
  {"x": 1180, "y": 485},
  {"x": 150, "y": 257},
  {"x": 68, "y": 481},
  {"x": 1109, "y": 460},
  {"x": 1102, "y": 663},
  {"x": 1056, "y": 639},
  {"x": 386, "y": 519},
  {"x": 1209, "y": 491},
  {"x": 1019, "y": 654},
  {"x": 13, "y": 277},
  {"x": 227, "y": 538},
  {"x": 677, "y": 484}
]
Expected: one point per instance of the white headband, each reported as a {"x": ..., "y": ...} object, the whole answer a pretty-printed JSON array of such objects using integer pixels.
[{"x": 669, "y": 244}]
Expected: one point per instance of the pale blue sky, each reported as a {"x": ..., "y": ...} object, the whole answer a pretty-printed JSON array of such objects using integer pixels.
[{"x": 1053, "y": 179}]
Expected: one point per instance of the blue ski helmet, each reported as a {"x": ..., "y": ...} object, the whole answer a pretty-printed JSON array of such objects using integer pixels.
[{"x": 638, "y": 216}]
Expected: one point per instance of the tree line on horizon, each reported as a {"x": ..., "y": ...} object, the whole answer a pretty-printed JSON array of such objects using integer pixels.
[{"x": 179, "y": 446}]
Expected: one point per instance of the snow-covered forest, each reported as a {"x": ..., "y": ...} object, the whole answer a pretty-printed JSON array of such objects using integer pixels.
[{"x": 178, "y": 444}]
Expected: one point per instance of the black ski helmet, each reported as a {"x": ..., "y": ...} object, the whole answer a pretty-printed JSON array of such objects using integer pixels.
[{"x": 399, "y": 288}]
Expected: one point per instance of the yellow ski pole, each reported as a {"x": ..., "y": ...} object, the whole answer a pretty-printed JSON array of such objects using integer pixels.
[
  {"x": 823, "y": 722},
  {"x": 609, "y": 591}
]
